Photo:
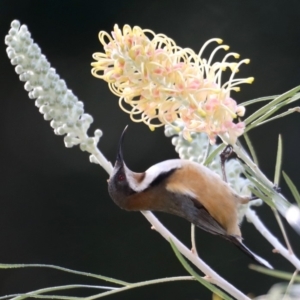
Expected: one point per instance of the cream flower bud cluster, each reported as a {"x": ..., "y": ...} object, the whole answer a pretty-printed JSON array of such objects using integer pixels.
[
  {"x": 55, "y": 101},
  {"x": 198, "y": 149}
]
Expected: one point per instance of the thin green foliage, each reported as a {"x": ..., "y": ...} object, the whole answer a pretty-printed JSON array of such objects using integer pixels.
[
  {"x": 284, "y": 114},
  {"x": 257, "y": 191},
  {"x": 260, "y": 190},
  {"x": 261, "y": 196},
  {"x": 139, "y": 284},
  {"x": 212, "y": 155},
  {"x": 289, "y": 287},
  {"x": 37, "y": 293},
  {"x": 265, "y": 118},
  {"x": 251, "y": 148},
  {"x": 274, "y": 273},
  {"x": 276, "y": 182},
  {"x": 253, "y": 101},
  {"x": 204, "y": 282},
  {"x": 278, "y": 161},
  {"x": 108, "y": 279},
  {"x": 270, "y": 106},
  {"x": 292, "y": 187}
]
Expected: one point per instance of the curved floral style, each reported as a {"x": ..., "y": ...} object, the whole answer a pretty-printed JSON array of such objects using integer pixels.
[{"x": 159, "y": 82}]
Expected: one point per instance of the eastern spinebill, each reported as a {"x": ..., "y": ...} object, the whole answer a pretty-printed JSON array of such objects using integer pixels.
[{"x": 183, "y": 188}]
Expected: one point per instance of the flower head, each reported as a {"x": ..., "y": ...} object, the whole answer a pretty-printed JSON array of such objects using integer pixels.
[{"x": 159, "y": 82}]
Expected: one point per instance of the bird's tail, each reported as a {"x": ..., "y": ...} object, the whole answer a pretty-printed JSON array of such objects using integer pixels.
[{"x": 246, "y": 250}]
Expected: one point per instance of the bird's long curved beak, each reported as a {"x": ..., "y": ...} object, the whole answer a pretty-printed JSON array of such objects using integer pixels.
[{"x": 120, "y": 160}]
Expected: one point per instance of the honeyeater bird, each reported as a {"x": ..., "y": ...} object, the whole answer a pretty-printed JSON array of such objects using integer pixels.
[{"x": 183, "y": 188}]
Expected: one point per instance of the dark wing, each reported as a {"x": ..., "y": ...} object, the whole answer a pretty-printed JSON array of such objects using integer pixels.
[
  {"x": 198, "y": 215},
  {"x": 192, "y": 210},
  {"x": 189, "y": 208},
  {"x": 205, "y": 221}
]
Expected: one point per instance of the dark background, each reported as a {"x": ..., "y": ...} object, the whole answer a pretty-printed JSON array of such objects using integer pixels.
[{"x": 55, "y": 208}]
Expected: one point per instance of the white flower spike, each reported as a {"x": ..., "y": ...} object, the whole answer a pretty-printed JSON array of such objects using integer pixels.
[{"x": 55, "y": 101}]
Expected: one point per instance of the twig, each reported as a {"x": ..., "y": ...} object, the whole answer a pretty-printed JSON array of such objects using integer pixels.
[
  {"x": 253, "y": 218},
  {"x": 193, "y": 239},
  {"x": 199, "y": 263}
]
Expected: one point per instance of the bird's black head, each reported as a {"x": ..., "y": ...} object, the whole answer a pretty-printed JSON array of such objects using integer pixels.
[{"x": 118, "y": 185}]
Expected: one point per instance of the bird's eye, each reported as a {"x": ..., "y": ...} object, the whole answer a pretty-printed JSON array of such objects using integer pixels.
[{"x": 121, "y": 177}]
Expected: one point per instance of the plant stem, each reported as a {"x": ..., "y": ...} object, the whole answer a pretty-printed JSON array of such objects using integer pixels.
[
  {"x": 193, "y": 239},
  {"x": 199, "y": 263},
  {"x": 253, "y": 218}
]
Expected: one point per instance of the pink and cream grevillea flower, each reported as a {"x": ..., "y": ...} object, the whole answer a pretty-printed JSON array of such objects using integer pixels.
[{"x": 158, "y": 82}]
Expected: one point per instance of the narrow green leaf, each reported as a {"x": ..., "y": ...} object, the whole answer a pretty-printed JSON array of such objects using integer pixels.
[
  {"x": 271, "y": 104},
  {"x": 261, "y": 196},
  {"x": 212, "y": 155},
  {"x": 284, "y": 114},
  {"x": 274, "y": 273},
  {"x": 264, "y": 118},
  {"x": 292, "y": 99},
  {"x": 251, "y": 148},
  {"x": 196, "y": 275},
  {"x": 260, "y": 191},
  {"x": 249, "y": 102},
  {"x": 263, "y": 189},
  {"x": 278, "y": 161},
  {"x": 269, "y": 112},
  {"x": 286, "y": 95},
  {"x": 101, "y": 277},
  {"x": 252, "y": 177},
  {"x": 276, "y": 182},
  {"x": 292, "y": 187}
]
